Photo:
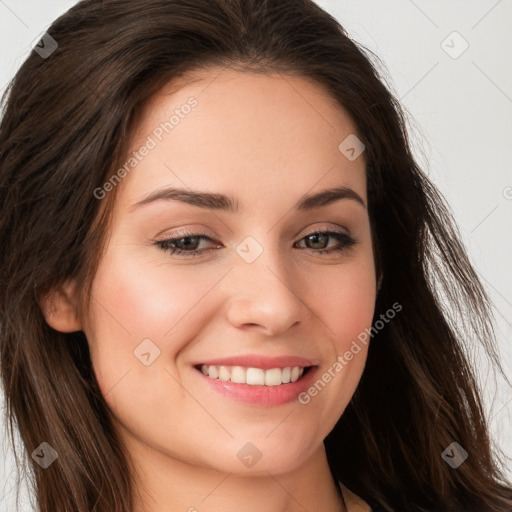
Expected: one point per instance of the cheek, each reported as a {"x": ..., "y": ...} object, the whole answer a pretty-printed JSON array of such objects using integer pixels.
[
  {"x": 355, "y": 309},
  {"x": 149, "y": 299},
  {"x": 136, "y": 300},
  {"x": 346, "y": 307},
  {"x": 348, "y": 301}
]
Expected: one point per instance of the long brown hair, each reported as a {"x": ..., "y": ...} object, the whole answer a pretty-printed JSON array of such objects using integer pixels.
[{"x": 66, "y": 126}]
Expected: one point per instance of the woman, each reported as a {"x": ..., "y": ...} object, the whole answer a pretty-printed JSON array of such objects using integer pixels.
[{"x": 225, "y": 279}]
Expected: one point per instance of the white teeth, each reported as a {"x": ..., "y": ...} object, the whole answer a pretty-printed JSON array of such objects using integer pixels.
[
  {"x": 253, "y": 376},
  {"x": 213, "y": 372},
  {"x": 273, "y": 377},
  {"x": 238, "y": 375},
  {"x": 224, "y": 373}
]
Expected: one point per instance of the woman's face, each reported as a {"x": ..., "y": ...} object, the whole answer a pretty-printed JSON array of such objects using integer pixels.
[{"x": 259, "y": 293}]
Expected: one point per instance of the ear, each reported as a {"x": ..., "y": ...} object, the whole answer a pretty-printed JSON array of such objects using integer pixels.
[{"x": 59, "y": 309}]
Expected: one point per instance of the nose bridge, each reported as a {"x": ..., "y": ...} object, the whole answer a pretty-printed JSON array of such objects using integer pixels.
[
  {"x": 264, "y": 262},
  {"x": 264, "y": 293}
]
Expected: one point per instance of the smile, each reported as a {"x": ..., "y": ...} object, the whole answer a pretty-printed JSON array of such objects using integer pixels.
[{"x": 254, "y": 376}]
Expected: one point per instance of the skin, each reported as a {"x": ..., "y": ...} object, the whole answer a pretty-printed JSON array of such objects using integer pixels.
[{"x": 266, "y": 140}]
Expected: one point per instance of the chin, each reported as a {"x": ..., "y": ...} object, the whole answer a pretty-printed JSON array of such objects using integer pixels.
[{"x": 260, "y": 456}]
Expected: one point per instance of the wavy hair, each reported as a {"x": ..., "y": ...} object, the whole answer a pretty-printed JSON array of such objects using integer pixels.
[{"x": 66, "y": 126}]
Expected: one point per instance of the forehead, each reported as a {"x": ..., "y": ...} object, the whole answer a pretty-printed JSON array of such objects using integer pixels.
[{"x": 228, "y": 131}]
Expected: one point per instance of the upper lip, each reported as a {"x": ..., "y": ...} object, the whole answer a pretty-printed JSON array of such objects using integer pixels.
[{"x": 260, "y": 361}]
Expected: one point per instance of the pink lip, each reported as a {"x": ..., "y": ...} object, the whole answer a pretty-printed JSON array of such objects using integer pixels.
[
  {"x": 263, "y": 362},
  {"x": 262, "y": 395}
]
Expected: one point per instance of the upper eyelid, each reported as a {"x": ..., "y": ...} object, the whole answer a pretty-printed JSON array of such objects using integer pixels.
[
  {"x": 203, "y": 231},
  {"x": 200, "y": 234}
]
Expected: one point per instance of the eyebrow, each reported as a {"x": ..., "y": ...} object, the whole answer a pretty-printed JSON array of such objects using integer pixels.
[{"x": 225, "y": 203}]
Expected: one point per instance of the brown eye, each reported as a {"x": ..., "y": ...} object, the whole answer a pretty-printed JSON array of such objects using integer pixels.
[
  {"x": 318, "y": 241},
  {"x": 184, "y": 245}
]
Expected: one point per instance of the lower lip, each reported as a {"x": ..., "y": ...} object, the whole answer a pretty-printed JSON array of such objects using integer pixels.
[{"x": 262, "y": 395}]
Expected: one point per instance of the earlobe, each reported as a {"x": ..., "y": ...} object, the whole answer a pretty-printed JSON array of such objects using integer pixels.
[{"x": 59, "y": 309}]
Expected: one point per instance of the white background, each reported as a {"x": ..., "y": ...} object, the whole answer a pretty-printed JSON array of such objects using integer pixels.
[{"x": 460, "y": 122}]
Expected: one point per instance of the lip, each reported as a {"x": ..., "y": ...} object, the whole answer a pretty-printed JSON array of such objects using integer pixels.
[
  {"x": 259, "y": 361},
  {"x": 265, "y": 396}
]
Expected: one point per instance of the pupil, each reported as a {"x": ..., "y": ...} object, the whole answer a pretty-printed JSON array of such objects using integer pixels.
[
  {"x": 186, "y": 241},
  {"x": 315, "y": 238}
]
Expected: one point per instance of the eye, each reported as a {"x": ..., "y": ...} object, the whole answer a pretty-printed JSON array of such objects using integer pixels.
[
  {"x": 188, "y": 241},
  {"x": 187, "y": 244},
  {"x": 319, "y": 238}
]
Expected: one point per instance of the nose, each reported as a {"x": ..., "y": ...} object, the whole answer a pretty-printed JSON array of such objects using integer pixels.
[{"x": 265, "y": 295}]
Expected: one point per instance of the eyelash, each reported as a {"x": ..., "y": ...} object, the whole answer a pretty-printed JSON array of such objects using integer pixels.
[{"x": 347, "y": 241}]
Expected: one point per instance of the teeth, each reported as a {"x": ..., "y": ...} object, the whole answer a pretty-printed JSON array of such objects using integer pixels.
[
  {"x": 224, "y": 373},
  {"x": 253, "y": 376}
]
